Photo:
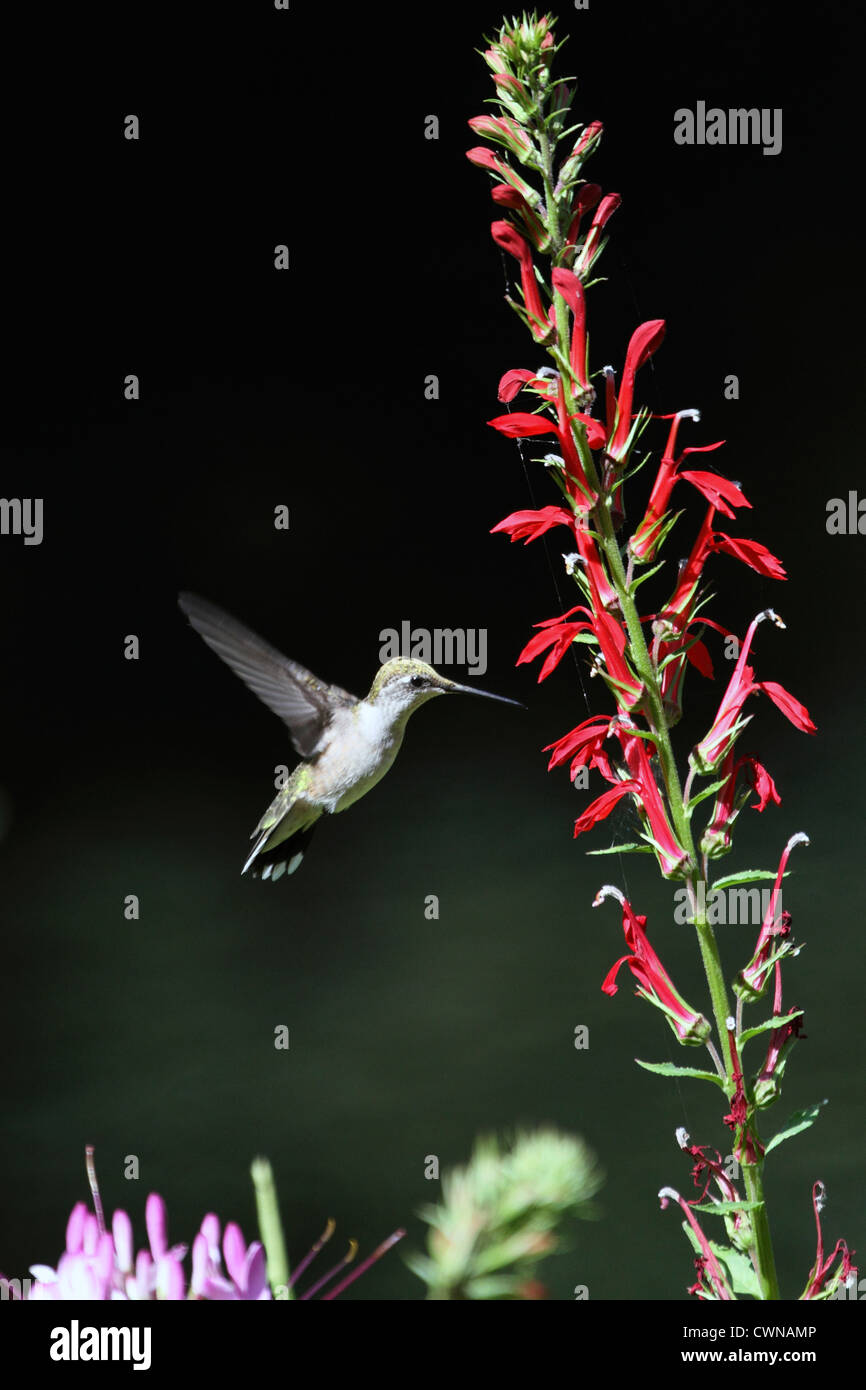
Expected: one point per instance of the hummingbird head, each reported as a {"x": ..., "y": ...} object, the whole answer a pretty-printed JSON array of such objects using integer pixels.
[{"x": 403, "y": 684}]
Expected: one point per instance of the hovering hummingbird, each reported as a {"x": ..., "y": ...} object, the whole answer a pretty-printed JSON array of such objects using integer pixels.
[{"x": 346, "y": 744}]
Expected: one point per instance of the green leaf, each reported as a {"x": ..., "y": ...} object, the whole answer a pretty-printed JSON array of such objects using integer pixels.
[
  {"x": 746, "y": 876},
  {"x": 736, "y": 1267},
  {"x": 700, "y": 796},
  {"x": 739, "y": 1269},
  {"x": 636, "y": 583},
  {"x": 801, "y": 1119},
  {"x": 775, "y": 1022},
  {"x": 726, "y": 1208},
  {"x": 671, "y": 1069},
  {"x": 632, "y": 848}
]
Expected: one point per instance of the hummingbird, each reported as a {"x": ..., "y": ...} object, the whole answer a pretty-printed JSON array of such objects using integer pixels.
[{"x": 346, "y": 745}]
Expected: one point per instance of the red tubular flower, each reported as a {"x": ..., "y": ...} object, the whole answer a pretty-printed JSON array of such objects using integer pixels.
[
  {"x": 588, "y": 551},
  {"x": 716, "y": 839},
  {"x": 752, "y": 553},
  {"x": 503, "y": 130},
  {"x": 586, "y": 198},
  {"x": 571, "y": 166},
  {"x": 514, "y": 381},
  {"x": 706, "y": 1263},
  {"x": 644, "y": 542},
  {"x": 818, "y": 1286},
  {"x": 511, "y": 241},
  {"x": 576, "y": 480},
  {"x": 747, "y": 1149},
  {"x": 508, "y": 197},
  {"x": 556, "y": 634},
  {"x": 568, "y": 285},
  {"x": 782, "y": 1040},
  {"x": 653, "y": 982},
  {"x": 709, "y": 541},
  {"x": 627, "y": 689},
  {"x": 583, "y": 745},
  {"x": 645, "y": 340},
  {"x": 602, "y": 806},
  {"x": 727, "y": 725},
  {"x": 528, "y": 526},
  {"x": 486, "y": 159},
  {"x": 669, "y": 851},
  {"x": 721, "y": 492},
  {"x": 521, "y": 425},
  {"x": 773, "y": 942},
  {"x": 608, "y": 205}
]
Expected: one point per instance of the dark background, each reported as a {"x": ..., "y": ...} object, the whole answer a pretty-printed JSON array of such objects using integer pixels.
[{"x": 408, "y": 1037}]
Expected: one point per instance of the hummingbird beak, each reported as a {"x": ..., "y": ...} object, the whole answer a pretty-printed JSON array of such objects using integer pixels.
[{"x": 453, "y": 688}]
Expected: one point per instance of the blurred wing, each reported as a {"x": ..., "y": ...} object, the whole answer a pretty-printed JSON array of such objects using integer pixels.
[{"x": 303, "y": 702}]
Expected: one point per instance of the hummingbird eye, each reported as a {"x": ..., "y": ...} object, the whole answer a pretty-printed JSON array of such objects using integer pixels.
[{"x": 418, "y": 681}]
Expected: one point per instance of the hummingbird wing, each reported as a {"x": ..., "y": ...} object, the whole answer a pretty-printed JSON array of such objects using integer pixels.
[{"x": 303, "y": 702}]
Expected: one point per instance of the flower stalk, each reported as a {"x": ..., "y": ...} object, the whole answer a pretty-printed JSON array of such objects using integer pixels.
[{"x": 642, "y": 658}]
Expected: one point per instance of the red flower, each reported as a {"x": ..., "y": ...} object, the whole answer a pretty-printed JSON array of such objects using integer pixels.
[
  {"x": 528, "y": 526},
  {"x": 583, "y": 745},
  {"x": 817, "y": 1284},
  {"x": 509, "y": 197},
  {"x": 645, "y": 340},
  {"x": 782, "y": 1040},
  {"x": 586, "y": 197},
  {"x": 752, "y": 553},
  {"x": 728, "y": 725},
  {"x": 716, "y": 839},
  {"x": 608, "y": 205},
  {"x": 602, "y": 806},
  {"x": 707, "y": 541},
  {"x": 511, "y": 241},
  {"x": 773, "y": 943},
  {"x": 669, "y": 851},
  {"x": 706, "y": 1263},
  {"x": 504, "y": 131},
  {"x": 645, "y": 540},
  {"x": 568, "y": 285},
  {"x": 604, "y": 592},
  {"x": 556, "y": 634},
  {"x": 653, "y": 982},
  {"x": 521, "y": 425}
]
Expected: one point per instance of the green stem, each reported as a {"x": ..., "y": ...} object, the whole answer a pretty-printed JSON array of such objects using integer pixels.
[{"x": 271, "y": 1227}]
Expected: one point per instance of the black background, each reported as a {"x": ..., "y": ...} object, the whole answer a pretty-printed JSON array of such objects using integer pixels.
[{"x": 305, "y": 388}]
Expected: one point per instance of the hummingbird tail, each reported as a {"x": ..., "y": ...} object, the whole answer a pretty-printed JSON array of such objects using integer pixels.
[{"x": 283, "y": 858}]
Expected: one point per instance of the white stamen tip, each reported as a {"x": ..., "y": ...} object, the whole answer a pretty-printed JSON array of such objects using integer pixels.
[
  {"x": 608, "y": 891},
  {"x": 772, "y": 614}
]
